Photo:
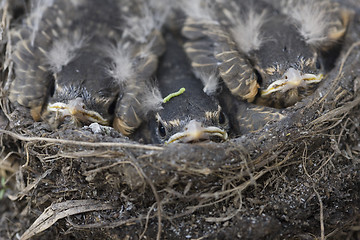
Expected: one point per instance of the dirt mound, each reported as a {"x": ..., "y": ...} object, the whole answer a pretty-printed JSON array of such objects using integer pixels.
[{"x": 296, "y": 178}]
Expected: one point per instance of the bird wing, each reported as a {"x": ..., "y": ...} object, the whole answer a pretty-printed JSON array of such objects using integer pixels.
[{"x": 211, "y": 49}]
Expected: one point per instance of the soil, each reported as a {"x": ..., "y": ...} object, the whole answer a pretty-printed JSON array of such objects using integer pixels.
[{"x": 297, "y": 178}]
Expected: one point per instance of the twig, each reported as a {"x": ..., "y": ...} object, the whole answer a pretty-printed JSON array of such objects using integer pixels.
[
  {"x": 147, "y": 221},
  {"x": 337, "y": 79},
  {"x": 324, "y": 163},
  {"x": 337, "y": 111},
  {"x": 322, "y": 228},
  {"x": 304, "y": 157},
  {"x": 81, "y": 143}
]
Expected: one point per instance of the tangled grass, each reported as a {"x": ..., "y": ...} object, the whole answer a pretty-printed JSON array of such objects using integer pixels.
[{"x": 294, "y": 178}]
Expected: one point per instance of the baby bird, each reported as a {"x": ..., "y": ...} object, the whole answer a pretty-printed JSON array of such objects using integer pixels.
[
  {"x": 272, "y": 56},
  {"x": 87, "y": 61},
  {"x": 191, "y": 116},
  {"x": 267, "y": 53}
]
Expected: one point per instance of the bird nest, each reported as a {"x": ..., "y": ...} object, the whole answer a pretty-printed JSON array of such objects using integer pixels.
[{"x": 298, "y": 177}]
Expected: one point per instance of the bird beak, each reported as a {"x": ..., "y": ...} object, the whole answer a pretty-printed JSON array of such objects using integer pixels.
[
  {"x": 76, "y": 108},
  {"x": 292, "y": 78},
  {"x": 194, "y": 131}
]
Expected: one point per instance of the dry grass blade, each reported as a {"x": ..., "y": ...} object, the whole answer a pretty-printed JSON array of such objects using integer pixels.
[
  {"x": 31, "y": 186},
  {"x": 298, "y": 177},
  {"x": 61, "y": 210},
  {"x": 337, "y": 112},
  {"x": 341, "y": 68},
  {"x": 80, "y": 143}
]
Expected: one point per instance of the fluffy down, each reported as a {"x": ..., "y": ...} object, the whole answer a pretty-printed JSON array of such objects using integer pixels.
[
  {"x": 64, "y": 50},
  {"x": 121, "y": 68},
  {"x": 251, "y": 25}
]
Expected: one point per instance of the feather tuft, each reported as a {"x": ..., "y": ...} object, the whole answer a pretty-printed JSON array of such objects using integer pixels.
[
  {"x": 152, "y": 100},
  {"x": 320, "y": 22},
  {"x": 210, "y": 82},
  {"x": 312, "y": 21},
  {"x": 140, "y": 27},
  {"x": 64, "y": 50},
  {"x": 247, "y": 30},
  {"x": 161, "y": 11},
  {"x": 121, "y": 68}
]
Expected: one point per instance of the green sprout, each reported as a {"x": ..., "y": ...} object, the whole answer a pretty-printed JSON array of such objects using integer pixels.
[{"x": 175, "y": 94}]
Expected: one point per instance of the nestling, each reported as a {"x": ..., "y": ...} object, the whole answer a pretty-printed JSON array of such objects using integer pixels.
[{"x": 87, "y": 61}]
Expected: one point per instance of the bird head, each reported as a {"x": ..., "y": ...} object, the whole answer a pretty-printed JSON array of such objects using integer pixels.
[
  {"x": 286, "y": 46},
  {"x": 288, "y": 67},
  {"x": 81, "y": 93},
  {"x": 192, "y": 125},
  {"x": 190, "y": 115}
]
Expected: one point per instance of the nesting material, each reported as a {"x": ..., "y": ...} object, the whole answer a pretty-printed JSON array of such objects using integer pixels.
[{"x": 298, "y": 177}]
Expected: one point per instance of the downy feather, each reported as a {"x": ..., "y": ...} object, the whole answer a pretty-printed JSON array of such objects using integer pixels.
[
  {"x": 314, "y": 19},
  {"x": 64, "y": 50},
  {"x": 121, "y": 68},
  {"x": 247, "y": 30},
  {"x": 140, "y": 27},
  {"x": 210, "y": 82},
  {"x": 152, "y": 99}
]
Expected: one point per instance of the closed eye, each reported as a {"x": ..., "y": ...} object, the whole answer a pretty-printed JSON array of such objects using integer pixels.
[
  {"x": 222, "y": 118},
  {"x": 258, "y": 76},
  {"x": 318, "y": 64}
]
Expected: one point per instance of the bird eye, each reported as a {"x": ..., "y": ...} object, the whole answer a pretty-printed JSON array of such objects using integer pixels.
[
  {"x": 222, "y": 118},
  {"x": 161, "y": 130},
  {"x": 111, "y": 109},
  {"x": 258, "y": 76},
  {"x": 318, "y": 64},
  {"x": 52, "y": 87}
]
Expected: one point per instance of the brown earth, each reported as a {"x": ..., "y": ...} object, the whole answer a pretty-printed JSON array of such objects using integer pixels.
[{"x": 295, "y": 179}]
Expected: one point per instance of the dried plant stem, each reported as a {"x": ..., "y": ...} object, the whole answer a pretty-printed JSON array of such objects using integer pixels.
[{"x": 81, "y": 143}]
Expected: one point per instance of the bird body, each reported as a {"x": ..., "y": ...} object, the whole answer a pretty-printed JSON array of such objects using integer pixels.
[
  {"x": 192, "y": 115},
  {"x": 93, "y": 62},
  {"x": 269, "y": 53},
  {"x": 87, "y": 60},
  {"x": 251, "y": 45}
]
